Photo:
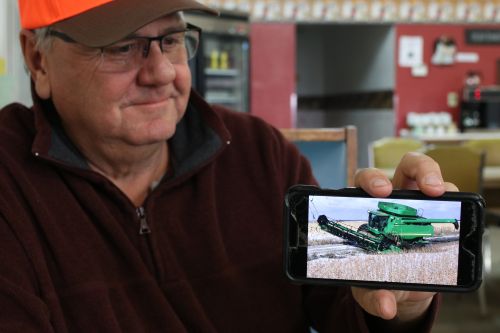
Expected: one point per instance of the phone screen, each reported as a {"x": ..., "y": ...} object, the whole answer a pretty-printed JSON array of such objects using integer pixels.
[{"x": 383, "y": 240}]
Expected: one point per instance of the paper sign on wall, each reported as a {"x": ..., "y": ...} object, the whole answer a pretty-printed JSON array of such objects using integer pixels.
[
  {"x": 411, "y": 50},
  {"x": 467, "y": 57}
]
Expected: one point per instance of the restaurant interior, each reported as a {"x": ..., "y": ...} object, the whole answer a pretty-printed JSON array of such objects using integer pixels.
[{"x": 375, "y": 78}]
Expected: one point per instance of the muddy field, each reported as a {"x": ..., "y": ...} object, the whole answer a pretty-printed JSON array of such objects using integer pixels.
[{"x": 331, "y": 257}]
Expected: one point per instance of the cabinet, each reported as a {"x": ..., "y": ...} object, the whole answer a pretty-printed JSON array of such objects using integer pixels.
[{"x": 220, "y": 70}]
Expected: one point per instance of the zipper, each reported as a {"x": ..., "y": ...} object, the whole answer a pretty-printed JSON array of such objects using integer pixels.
[
  {"x": 145, "y": 230},
  {"x": 144, "y": 227}
]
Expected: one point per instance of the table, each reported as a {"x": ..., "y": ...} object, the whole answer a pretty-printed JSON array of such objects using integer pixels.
[{"x": 459, "y": 138}]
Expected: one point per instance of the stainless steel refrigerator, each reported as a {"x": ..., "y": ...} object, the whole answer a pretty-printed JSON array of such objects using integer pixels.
[{"x": 220, "y": 69}]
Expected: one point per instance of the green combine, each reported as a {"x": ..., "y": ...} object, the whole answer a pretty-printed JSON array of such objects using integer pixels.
[{"x": 392, "y": 227}]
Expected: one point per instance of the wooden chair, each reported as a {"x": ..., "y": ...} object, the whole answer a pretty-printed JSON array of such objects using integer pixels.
[
  {"x": 491, "y": 148},
  {"x": 386, "y": 153},
  {"x": 460, "y": 165},
  {"x": 332, "y": 153}
]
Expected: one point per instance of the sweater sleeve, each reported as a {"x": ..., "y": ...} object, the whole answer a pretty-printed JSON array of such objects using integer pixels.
[{"x": 21, "y": 310}]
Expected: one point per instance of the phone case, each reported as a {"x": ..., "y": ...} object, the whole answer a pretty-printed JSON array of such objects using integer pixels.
[{"x": 469, "y": 257}]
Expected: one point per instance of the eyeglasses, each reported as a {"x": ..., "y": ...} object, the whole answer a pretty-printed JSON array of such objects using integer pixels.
[{"x": 177, "y": 46}]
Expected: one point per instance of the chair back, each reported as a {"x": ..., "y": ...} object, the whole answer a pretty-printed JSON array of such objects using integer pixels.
[
  {"x": 332, "y": 153},
  {"x": 460, "y": 165},
  {"x": 491, "y": 147},
  {"x": 386, "y": 153}
]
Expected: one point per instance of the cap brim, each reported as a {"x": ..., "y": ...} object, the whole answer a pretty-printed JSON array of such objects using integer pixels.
[{"x": 117, "y": 19}]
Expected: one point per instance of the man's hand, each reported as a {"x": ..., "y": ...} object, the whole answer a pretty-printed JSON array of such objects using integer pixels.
[{"x": 415, "y": 171}]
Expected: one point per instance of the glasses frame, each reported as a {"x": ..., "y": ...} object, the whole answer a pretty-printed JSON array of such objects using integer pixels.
[{"x": 145, "y": 52}]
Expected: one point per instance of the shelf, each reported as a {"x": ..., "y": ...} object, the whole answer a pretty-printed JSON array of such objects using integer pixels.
[
  {"x": 228, "y": 85},
  {"x": 222, "y": 100},
  {"x": 222, "y": 72}
]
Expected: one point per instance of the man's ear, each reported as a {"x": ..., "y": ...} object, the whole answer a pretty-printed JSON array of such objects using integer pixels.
[{"x": 36, "y": 62}]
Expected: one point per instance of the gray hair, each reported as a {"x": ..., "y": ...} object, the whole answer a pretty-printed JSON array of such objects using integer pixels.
[{"x": 43, "y": 38}]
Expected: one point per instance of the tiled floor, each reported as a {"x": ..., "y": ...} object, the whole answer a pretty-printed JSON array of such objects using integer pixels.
[{"x": 461, "y": 313}]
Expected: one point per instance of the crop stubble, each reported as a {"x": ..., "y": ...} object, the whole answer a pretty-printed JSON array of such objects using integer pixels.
[{"x": 432, "y": 264}]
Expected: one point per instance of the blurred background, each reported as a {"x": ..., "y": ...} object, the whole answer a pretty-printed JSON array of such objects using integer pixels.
[{"x": 427, "y": 71}]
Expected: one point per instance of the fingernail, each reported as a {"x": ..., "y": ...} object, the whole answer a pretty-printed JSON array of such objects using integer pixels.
[
  {"x": 379, "y": 182},
  {"x": 433, "y": 180}
]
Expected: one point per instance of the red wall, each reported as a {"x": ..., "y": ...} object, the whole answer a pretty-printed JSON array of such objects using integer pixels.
[
  {"x": 426, "y": 94},
  {"x": 272, "y": 72}
]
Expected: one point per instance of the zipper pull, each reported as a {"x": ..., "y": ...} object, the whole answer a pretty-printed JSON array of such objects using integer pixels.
[{"x": 144, "y": 227}]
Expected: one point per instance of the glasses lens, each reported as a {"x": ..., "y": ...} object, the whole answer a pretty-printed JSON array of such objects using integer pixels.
[
  {"x": 192, "y": 40},
  {"x": 177, "y": 47},
  {"x": 123, "y": 56}
]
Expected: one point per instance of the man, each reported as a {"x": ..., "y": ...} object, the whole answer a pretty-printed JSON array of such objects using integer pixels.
[{"x": 129, "y": 204}]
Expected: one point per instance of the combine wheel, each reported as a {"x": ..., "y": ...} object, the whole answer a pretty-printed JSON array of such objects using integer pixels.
[
  {"x": 386, "y": 244},
  {"x": 322, "y": 220}
]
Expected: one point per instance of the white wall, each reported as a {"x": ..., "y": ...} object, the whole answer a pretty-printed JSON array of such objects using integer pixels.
[
  {"x": 344, "y": 58},
  {"x": 14, "y": 82}
]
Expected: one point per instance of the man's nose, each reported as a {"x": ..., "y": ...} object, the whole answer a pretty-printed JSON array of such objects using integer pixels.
[{"x": 156, "y": 68}]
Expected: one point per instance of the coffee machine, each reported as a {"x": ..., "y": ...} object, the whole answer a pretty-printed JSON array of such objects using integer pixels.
[{"x": 480, "y": 108}]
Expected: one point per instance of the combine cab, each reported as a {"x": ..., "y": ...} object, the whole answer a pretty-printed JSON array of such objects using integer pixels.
[{"x": 390, "y": 228}]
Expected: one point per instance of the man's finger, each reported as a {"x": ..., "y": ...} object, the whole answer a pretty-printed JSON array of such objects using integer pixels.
[
  {"x": 380, "y": 303},
  {"x": 420, "y": 170},
  {"x": 373, "y": 181}
]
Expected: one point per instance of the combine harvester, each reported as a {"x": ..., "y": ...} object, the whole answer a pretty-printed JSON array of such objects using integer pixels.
[{"x": 391, "y": 228}]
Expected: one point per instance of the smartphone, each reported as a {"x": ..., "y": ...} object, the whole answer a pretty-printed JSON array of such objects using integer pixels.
[{"x": 406, "y": 241}]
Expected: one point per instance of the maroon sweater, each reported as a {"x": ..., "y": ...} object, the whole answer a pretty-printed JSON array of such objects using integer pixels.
[{"x": 73, "y": 259}]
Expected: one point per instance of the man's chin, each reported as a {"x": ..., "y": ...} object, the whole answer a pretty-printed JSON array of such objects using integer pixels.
[{"x": 152, "y": 137}]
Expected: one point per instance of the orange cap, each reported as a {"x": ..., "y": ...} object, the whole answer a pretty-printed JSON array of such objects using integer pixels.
[
  {"x": 41, "y": 13},
  {"x": 99, "y": 23}
]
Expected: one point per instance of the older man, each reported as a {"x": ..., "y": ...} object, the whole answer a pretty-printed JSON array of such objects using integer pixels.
[{"x": 130, "y": 204}]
